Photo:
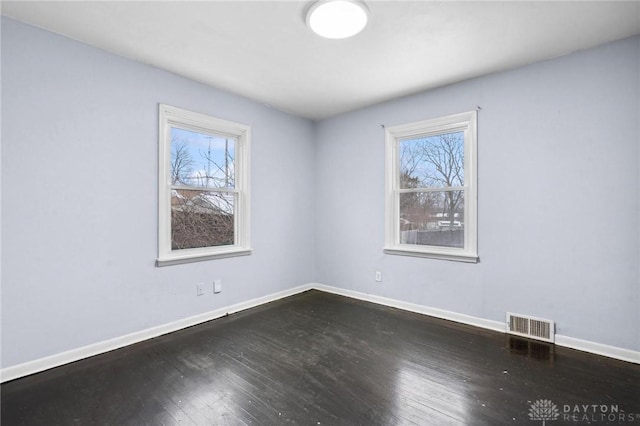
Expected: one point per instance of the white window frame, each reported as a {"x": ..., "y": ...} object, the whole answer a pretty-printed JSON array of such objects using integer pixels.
[
  {"x": 170, "y": 117},
  {"x": 464, "y": 122}
]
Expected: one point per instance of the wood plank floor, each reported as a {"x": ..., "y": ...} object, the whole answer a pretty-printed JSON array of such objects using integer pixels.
[{"x": 322, "y": 359}]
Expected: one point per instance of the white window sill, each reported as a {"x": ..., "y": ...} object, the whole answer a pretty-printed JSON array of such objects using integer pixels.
[
  {"x": 189, "y": 258},
  {"x": 431, "y": 254}
]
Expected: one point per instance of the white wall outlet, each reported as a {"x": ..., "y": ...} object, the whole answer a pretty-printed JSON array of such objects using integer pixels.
[
  {"x": 199, "y": 289},
  {"x": 378, "y": 276},
  {"x": 217, "y": 286}
]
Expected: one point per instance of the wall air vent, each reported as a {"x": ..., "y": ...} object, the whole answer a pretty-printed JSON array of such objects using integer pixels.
[{"x": 531, "y": 327}]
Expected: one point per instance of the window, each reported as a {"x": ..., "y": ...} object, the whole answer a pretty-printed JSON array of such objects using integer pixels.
[
  {"x": 203, "y": 187},
  {"x": 430, "y": 181}
]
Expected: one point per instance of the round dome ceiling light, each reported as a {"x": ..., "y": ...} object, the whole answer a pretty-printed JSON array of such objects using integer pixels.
[{"x": 337, "y": 18}]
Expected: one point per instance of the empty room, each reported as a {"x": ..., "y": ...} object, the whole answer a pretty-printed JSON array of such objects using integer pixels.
[{"x": 320, "y": 212}]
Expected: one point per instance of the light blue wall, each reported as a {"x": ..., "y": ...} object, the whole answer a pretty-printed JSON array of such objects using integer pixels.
[
  {"x": 558, "y": 197},
  {"x": 559, "y": 194},
  {"x": 79, "y": 198}
]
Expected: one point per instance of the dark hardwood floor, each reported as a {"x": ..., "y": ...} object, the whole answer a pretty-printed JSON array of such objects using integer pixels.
[{"x": 321, "y": 359}]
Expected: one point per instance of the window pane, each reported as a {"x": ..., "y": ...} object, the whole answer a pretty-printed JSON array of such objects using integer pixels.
[
  {"x": 201, "y": 219},
  {"x": 433, "y": 161},
  {"x": 432, "y": 218},
  {"x": 203, "y": 160}
]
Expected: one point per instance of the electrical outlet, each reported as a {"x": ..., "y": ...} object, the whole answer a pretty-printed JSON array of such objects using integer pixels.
[
  {"x": 199, "y": 289},
  {"x": 378, "y": 276},
  {"x": 217, "y": 286}
]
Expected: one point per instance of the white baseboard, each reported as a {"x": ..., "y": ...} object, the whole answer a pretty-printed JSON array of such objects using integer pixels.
[
  {"x": 598, "y": 348},
  {"x": 56, "y": 360},
  {"x": 560, "y": 340},
  {"x": 412, "y": 307}
]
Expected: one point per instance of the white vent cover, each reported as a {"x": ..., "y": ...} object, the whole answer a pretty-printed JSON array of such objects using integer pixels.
[{"x": 528, "y": 326}]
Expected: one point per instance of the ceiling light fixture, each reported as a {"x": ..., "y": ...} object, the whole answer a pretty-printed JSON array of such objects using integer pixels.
[{"x": 337, "y": 18}]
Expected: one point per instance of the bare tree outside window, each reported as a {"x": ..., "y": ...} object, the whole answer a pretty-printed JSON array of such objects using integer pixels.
[
  {"x": 431, "y": 189},
  {"x": 181, "y": 162},
  {"x": 202, "y": 200},
  {"x": 432, "y": 197}
]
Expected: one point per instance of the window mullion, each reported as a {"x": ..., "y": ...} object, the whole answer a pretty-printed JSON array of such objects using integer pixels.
[
  {"x": 443, "y": 189},
  {"x": 203, "y": 189}
]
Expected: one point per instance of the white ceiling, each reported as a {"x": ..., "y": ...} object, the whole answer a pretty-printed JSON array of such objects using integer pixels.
[{"x": 264, "y": 51}]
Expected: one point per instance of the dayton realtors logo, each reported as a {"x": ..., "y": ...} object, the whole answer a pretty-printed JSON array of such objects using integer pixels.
[
  {"x": 543, "y": 409},
  {"x": 546, "y": 410}
]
